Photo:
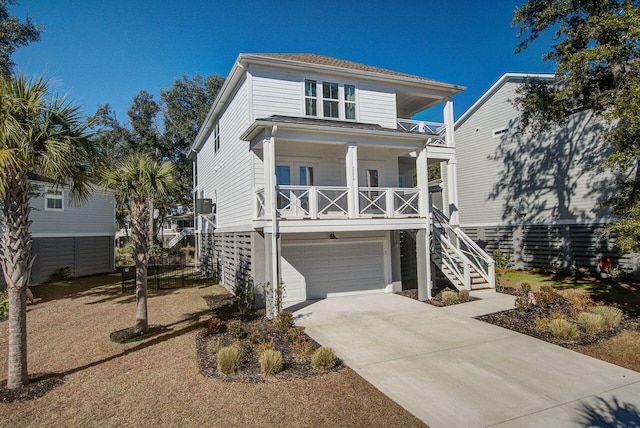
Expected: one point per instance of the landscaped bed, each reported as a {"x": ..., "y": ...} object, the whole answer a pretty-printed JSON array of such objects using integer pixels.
[
  {"x": 251, "y": 334},
  {"x": 587, "y": 317},
  {"x": 446, "y": 297}
]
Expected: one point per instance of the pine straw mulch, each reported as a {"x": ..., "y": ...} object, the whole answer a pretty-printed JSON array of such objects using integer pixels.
[
  {"x": 256, "y": 329},
  {"x": 436, "y": 300},
  {"x": 525, "y": 322}
]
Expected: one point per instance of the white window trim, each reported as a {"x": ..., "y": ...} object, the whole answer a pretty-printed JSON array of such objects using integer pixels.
[
  {"x": 216, "y": 137},
  {"x": 55, "y": 196},
  {"x": 319, "y": 98}
]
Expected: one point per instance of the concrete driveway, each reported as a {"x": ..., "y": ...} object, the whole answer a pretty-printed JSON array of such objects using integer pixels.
[{"x": 450, "y": 370}]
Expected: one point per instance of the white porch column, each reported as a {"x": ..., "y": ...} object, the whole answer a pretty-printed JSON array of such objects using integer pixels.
[
  {"x": 452, "y": 191},
  {"x": 448, "y": 123},
  {"x": 271, "y": 240},
  {"x": 269, "y": 164},
  {"x": 423, "y": 259},
  {"x": 422, "y": 177},
  {"x": 351, "y": 165}
]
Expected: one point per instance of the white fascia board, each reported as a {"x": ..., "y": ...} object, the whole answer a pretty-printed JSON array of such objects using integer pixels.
[
  {"x": 495, "y": 87},
  {"x": 346, "y": 225},
  {"x": 297, "y": 65},
  {"x": 260, "y": 125},
  {"x": 72, "y": 235}
]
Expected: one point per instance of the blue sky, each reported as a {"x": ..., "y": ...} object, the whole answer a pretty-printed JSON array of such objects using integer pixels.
[{"x": 106, "y": 51}]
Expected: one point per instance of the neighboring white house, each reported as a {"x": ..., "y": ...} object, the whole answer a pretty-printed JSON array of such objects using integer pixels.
[
  {"x": 537, "y": 197},
  {"x": 80, "y": 238},
  {"x": 316, "y": 177}
]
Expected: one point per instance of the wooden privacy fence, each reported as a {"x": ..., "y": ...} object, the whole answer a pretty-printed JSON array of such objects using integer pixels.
[{"x": 163, "y": 277}]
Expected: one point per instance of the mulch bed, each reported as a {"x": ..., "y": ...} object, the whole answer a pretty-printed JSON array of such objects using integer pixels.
[
  {"x": 525, "y": 322},
  {"x": 129, "y": 334},
  {"x": 256, "y": 328},
  {"x": 436, "y": 300},
  {"x": 39, "y": 385}
]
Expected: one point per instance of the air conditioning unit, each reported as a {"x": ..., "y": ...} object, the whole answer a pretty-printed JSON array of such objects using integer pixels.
[{"x": 204, "y": 206}]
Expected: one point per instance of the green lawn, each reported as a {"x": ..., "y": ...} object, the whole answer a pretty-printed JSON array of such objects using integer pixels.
[{"x": 626, "y": 295}]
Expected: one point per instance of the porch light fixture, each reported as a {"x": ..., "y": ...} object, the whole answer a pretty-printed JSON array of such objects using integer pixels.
[{"x": 332, "y": 236}]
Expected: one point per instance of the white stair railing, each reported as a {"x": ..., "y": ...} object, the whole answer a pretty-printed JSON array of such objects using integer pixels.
[{"x": 472, "y": 254}]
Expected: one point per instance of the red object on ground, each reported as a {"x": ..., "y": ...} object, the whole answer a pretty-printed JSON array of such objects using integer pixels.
[{"x": 605, "y": 264}]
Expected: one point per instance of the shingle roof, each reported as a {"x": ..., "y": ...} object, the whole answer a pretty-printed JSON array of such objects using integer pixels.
[{"x": 336, "y": 62}]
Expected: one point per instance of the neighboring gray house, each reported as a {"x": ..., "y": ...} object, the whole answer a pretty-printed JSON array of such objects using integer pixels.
[
  {"x": 535, "y": 196},
  {"x": 80, "y": 238},
  {"x": 317, "y": 176}
]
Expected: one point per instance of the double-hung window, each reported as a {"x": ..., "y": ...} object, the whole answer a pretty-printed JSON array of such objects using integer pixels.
[
  {"x": 54, "y": 199},
  {"x": 349, "y": 102},
  {"x": 330, "y": 100},
  {"x": 310, "y": 98}
]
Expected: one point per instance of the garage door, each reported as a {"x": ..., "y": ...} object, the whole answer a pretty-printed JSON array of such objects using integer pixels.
[{"x": 320, "y": 270}]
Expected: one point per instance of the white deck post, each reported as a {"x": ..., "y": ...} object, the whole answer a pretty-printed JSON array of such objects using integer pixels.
[
  {"x": 452, "y": 187},
  {"x": 423, "y": 181},
  {"x": 271, "y": 240},
  {"x": 448, "y": 123},
  {"x": 423, "y": 258},
  {"x": 351, "y": 165}
]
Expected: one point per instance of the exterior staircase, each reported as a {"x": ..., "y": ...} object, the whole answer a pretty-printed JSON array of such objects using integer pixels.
[
  {"x": 184, "y": 232},
  {"x": 462, "y": 261}
]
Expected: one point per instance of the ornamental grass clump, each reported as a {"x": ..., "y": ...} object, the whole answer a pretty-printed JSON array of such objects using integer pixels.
[
  {"x": 228, "y": 360},
  {"x": 323, "y": 358},
  {"x": 449, "y": 297},
  {"x": 611, "y": 315},
  {"x": 270, "y": 362},
  {"x": 563, "y": 329},
  {"x": 591, "y": 323},
  {"x": 463, "y": 294}
]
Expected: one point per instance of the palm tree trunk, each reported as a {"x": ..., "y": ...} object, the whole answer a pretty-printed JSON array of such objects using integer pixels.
[
  {"x": 140, "y": 233},
  {"x": 16, "y": 263}
]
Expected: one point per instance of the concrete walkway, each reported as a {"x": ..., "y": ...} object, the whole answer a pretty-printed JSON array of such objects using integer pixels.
[{"x": 450, "y": 370}]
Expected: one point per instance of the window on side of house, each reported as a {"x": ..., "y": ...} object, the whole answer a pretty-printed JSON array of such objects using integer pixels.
[
  {"x": 349, "y": 102},
  {"x": 216, "y": 137},
  {"x": 330, "y": 100},
  {"x": 54, "y": 200},
  {"x": 310, "y": 98}
]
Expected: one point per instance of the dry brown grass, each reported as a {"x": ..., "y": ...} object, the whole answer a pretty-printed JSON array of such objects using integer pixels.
[
  {"x": 622, "y": 349},
  {"x": 156, "y": 382}
]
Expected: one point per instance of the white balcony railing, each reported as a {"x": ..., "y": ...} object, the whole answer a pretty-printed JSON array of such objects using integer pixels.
[
  {"x": 316, "y": 202},
  {"x": 436, "y": 129}
]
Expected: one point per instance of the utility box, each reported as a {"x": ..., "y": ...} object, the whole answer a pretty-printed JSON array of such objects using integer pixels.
[{"x": 204, "y": 206}]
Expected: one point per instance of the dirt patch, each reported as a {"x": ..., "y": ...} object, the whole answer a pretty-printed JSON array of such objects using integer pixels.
[
  {"x": 37, "y": 387},
  {"x": 256, "y": 330}
]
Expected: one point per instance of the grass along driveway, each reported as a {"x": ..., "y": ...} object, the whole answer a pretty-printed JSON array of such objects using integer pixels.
[{"x": 156, "y": 382}]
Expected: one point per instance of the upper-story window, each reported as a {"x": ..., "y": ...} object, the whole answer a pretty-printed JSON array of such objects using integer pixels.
[
  {"x": 330, "y": 100},
  {"x": 54, "y": 200},
  {"x": 310, "y": 98},
  {"x": 350, "y": 102},
  {"x": 216, "y": 137}
]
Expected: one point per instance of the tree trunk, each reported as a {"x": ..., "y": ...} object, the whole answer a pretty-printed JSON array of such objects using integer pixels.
[
  {"x": 16, "y": 263},
  {"x": 140, "y": 233}
]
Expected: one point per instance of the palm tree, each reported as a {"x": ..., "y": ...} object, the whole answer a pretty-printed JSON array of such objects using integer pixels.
[
  {"x": 44, "y": 136},
  {"x": 136, "y": 180}
]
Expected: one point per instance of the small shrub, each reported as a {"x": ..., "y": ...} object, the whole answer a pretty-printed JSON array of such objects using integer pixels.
[
  {"x": 579, "y": 300},
  {"x": 542, "y": 324},
  {"x": 245, "y": 294},
  {"x": 294, "y": 334},
  {"x": 502, "y": 259},
  {"x": 215, "y": 325},
  {"x": 270, "y": 362},
  {"x": 254, "y": 335},
  {"x": 4, "y": 303},
  {"x": 524, "y": 287},
  {"x": 323, "y": 358},
  {"x": 284, "y": 321},
  {"x": 580, "y": 273},
  {"x": 611, "y": 316},
  {"x": 234, "y": 328},
  {"x": 303, "y": 349},
  {"x": 616, "y": 274},
  {"x": 547, "y": 296},
  {"x": 449, "y": 297},
  {"x": 523, "y": 303},
  {"x": 61, "y": 273},
  {"x": 591, "y": 323},
  {"x": 228, "y": 360},
  {"x": 557, "y": 315},
  {"x": 213, "y": 346},
  {"x": 563, "y": 329},
  {"x": 463, "y": 294},
  {"x": 265, "y": 346}
]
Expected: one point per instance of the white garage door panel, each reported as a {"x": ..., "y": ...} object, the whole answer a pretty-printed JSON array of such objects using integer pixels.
[{"x": 318, "y": 270}]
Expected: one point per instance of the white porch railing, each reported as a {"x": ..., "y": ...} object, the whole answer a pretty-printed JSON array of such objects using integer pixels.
[
  {"x": 422, "y": 127},
  {"x": 313, "y": 202}
]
